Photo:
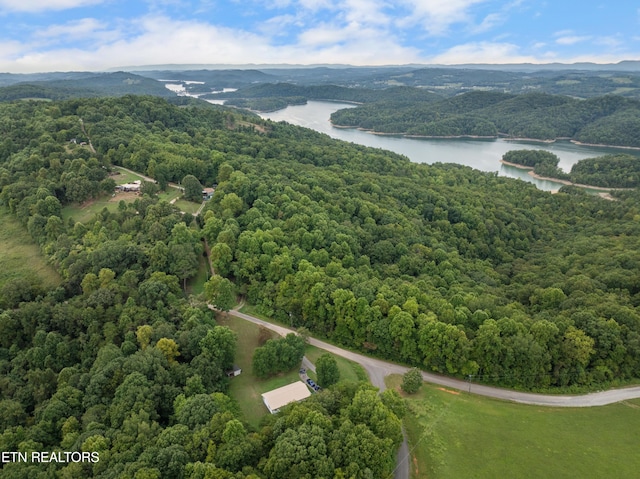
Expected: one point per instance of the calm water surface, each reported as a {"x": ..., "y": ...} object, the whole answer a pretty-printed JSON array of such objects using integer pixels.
[{"x": 483, "y": 155}]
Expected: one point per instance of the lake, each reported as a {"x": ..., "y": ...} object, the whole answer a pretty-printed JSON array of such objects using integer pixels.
[{"x": 483, "y": 155}]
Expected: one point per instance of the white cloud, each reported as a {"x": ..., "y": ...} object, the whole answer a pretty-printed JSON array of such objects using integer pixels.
[
  {"x": 33, "y": 6},
  {"x": 436, "y": 16},
  {"x": 10, "y": 49},
  {"x": 610, "y": 42},
  {"x": 162, "y": 40},
  {"x": 486, "y": 52},
  {"x": 77, "y": 29},
  {"x": 316, "y": 5},
  {"x": 482, "y": 52},
  {"x": 365, "y": 11},
  {"x": 572, "y": 39},
  {"x": 489, "y": 22},
  {"x": 279, "y": 25}
]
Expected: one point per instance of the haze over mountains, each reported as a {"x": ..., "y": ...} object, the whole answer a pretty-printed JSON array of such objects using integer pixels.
[{"x": 581, "y": 80}]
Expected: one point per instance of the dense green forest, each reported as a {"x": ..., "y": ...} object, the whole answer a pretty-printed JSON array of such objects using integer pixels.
[
  {"x": 266, "y": 104},
  {"x": 287, "y": 93},
  {"x": 84, "y": 85},
  {"x": 607, "y": 120},
  {"x": 117, "y": 361},
  {"x": 439, "y": 266},
  {"x": 607, "y": 171}
]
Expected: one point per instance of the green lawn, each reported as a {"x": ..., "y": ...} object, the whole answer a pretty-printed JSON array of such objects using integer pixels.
[
  {"x": 196, "y": 284},
  {"x": 20, "y": 257},
  {"x": 187, "y": 206},
  {"x": 349, "y": 371},
  {"x": 125, "y": 176},
  {"x": 458, "y": 435},
  {"x": 170, "y": 194},
  {"x": 86, "y": 211},
  {"x": 246, "y": 388}
]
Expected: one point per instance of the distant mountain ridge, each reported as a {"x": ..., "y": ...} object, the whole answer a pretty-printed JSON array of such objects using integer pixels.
[
  {"x": 625, "y": 65},
  {"x": 58, "y": 86}
]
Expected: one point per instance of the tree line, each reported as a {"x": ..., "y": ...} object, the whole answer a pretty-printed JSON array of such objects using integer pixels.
[
  {"x": 607, "y": 120},
  {"x": 607, "y": 171}
]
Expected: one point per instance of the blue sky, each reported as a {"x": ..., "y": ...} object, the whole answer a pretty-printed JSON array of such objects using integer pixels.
[{"x": 65, "y": 35}]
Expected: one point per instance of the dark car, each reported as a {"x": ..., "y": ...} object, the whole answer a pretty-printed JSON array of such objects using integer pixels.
[
  {"x": 311, "y": 383},
  {"x": 317, "y": 388},
  {"x": 303, "y": 371}
]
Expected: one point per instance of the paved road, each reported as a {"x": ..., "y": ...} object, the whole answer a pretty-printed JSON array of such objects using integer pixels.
[{"x": 378, "y": 369}]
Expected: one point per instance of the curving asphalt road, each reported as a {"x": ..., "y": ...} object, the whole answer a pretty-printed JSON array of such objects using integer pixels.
[{"x": 378, "y": 369}]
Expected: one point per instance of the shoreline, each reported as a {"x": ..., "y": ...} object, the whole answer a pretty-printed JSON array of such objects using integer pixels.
[
  {"x": 558, "y": 180},
  {"x": 406, "y": 135},
  {"x": 499, "y": 136},
  {"x": 598, "y": 145}
]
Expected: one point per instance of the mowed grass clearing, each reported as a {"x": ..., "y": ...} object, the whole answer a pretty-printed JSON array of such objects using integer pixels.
[
  {"x": 247, "y": 389},
  {"x": 195, "y": 285},
  {"x": 349, "y": 371},
  {"x": 82, "y": 213},
  {"x": 187, "y": 206},
  {"x": 453, "y": 434},
  {"x": 20, "y": 257}
]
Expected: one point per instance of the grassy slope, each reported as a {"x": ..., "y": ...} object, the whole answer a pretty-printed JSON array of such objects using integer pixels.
[
  {"x": 19, "y": 256},
  {"x": 86, "y": 211},
  {"x": 195, "y": 285},
  {"x": 187, "y": 206},
  {"x": 462, "y": 435},
  {"x": 246, "y": 388},
  {"x": 349, "y": 371}
]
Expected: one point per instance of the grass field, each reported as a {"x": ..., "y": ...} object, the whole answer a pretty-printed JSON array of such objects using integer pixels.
[
  {"x": 125, "y": 176},
  {"x": 246, "y": 388},
  {"x": 457, "y": 435},
  {"x": 187, "y": 206},
  {"x": 20, "y": 257},
  {"x": 349, "y": 371},
  {"x": 86, "y": 211},
  {"x": 196, "y": 284},
  {"x": 170, "y": 194}
]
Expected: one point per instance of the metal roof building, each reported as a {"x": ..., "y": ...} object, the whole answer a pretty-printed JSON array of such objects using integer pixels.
[{"x": 280, "y": 397}]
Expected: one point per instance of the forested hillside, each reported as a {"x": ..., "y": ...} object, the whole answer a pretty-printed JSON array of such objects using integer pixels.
[
  {"x": 451, "y": 269},
  {"x": 84, "y": 85},
  {"x": 607, "y": 120},
  {"x": 117, "y": 363},
  {"x": 607, "y": 171},
  {"x": 270, "y": 96}
]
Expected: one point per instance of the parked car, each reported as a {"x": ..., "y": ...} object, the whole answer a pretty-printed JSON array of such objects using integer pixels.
[
  {"x": 311, "y": 383},
  {"x": 303, "y": 371}
]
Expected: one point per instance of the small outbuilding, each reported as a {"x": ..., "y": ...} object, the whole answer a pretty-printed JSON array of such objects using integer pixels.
[
  {"x": 207, "y": 193},
  {"x": 134, "y": 186},
  {"x": 280, "y": 397},
  {"x": 234, "y": 371}
]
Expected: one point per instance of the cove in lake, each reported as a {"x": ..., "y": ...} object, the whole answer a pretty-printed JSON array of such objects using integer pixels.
[{"x": 481, "y": 154}]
